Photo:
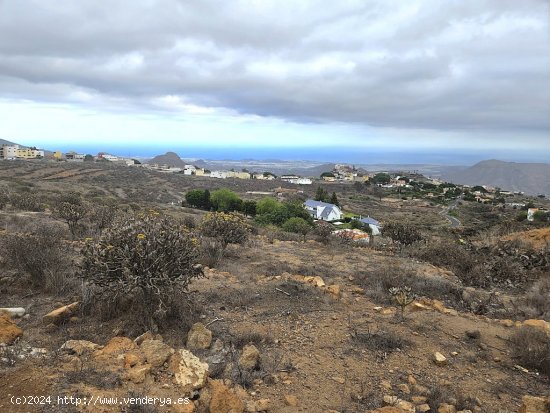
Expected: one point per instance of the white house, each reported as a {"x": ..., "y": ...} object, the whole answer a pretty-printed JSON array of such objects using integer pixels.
[
  {"x": 372, "y": 223},
  {"x": 218, "y": 174},
  {"x": 323, "y": 210},
  {"x": 189, "y": 170},
  {"x": 9, "y": 151}
]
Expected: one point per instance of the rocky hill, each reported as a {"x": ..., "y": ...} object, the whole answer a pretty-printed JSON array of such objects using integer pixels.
[
  {"x": 531, "y": 178},
  {"x": 169, "y": 158}
]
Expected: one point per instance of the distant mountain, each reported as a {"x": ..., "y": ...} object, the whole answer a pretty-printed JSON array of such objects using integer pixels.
[
  {"x": 531, "y": 178},
  {"x": 169, "y": 158}
]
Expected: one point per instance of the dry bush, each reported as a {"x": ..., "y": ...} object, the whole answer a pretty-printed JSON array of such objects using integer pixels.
[
  {"x": 383, "y": 341},
  {"x": 211, "y": 252},
  {"x": 145, "y": 259},
  {"x": 446, "y": 254},
  {"x": 26, "y": 202},
  {"x": 42, "y": 254},
  {"x": 537, "y": 300},
  {"x": 532, "y": 347},
  {"x": 227, "y": 228}
]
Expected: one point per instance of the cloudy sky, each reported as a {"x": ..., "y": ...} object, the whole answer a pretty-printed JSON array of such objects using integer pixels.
[{"x": 433, "y": 80}]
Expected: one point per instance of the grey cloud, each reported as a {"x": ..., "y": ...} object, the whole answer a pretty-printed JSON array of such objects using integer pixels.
[{"x": 480, "y": 65}]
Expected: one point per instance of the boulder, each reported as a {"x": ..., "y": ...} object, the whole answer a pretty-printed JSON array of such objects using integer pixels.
[
  {"x": 138, "y": 374},
  {"x": 388, "y": 409},
  {"x": 223, "y": 399},
  {"x": 405, "y": 406},
  {"x": 156, "y": 352},
  {"x": 423, "y": 408},
  {"x": 9, "y": 331},
  {"x": 117, "y": 346},
  {"x": 446, "y": 408},
  {"x": 291, "y": 400},
  {"x": 61, "y": 314},
  {"x": 538, "y": 324},
  {"x": 199, "y": 337},
  {"x": 145, "y": 336},
  {"x": 439, "y": 359},
  {"x": 13, "y": 312},
  {"x": 189, "y": 372},
  {"x": 334, "y": 290},
  {"x": 250, "y": 357},
  {"x": 79, "y": 347},
  {"x": 531, "y": 404}
]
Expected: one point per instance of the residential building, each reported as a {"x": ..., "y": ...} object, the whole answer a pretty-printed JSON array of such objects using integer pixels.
[
  {"x": 75, "y": 157},
  {"x": 107, "y": 157},
  {"x": 323, "y": 210},
  {"x": 531, "y": 214},
  {"x": 57, "y": 155},
  {"x": 372, "y": 223},
  {"x": 189, "y": 170},
  {"x": 218, "y": 174},
  {"x": 9, "y": 151},
  {"x": 238, "y": 175}
]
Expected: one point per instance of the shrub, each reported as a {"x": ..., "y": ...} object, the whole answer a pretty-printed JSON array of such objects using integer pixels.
[
  {"x": 211, "y": 252},
  {"x": 298, "y": 226},
  {"x": 537, "y": 299},
  {"x": 404, "y": 234},
  {"x": 249, "y": 208},
  {"x": 227, "y": 228},
  {"x": 224, "y": 200},
  {"x": 41, "y": 254},
  {"x": 102, "y": 216},
  {"x": 27, "y": 202},
  {"x": 70, "y": 209},
  {"x": 532, "y": 347},
  {"x": 145, "y": 257},
  {"x": 4, "y": 198},
  {"x": 323, "y": 230},
  {"x": 197, "y": 198},
  {"x": 384, "y": 341}
]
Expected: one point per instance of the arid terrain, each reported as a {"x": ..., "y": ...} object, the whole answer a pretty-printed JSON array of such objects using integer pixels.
[{"x": 276, "y": 324}]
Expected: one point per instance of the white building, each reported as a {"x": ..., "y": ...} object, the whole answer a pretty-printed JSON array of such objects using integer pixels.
[
  {"x": 9, "y": 151},
  {"x": 189, "y": 170},
  {"x": 323, "y": 210},
  {"x": 218, "y": 174}
]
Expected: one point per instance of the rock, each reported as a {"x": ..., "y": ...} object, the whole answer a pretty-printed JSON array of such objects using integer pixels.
[
  {"x": 538, "y": 324},
  {"x": 411, "y": 380},
  {"x": 130, "y": 360},
  {"x": 419, "y": 399},
  {"x": 404, "y": 388},
  {"x": 138, "y": 374},
  {"x": 474, "y": 334},
  {"x": 79, "y": 347},
  {"x": 13, "y": 312},
  {"x": 316, "y": 281},
  {"x": 145, "y": 336},
  {"x": 388, "y": 409},
  {"x": 222, "y": 399},
  {"x": 189, "y": 372},
  {"x": 416, "y": 306},
  {"x": 438, "y": 306},
  {"x": 340, "y": 380},
  {"x": 386, "y": 384},
  {"x": 250, "y": 357},
  {"x": 439, "y": 359},
  {"x": 262, "y": 405},
  {"x": 507, "y": 323},
  {"x": 334, "y": 290},
  {"x": 390, "y": 400},
  {"x": 156, "y": 352},
  {"x": 117, "y": 346},
  {"x": 291, "y": 400},
  {"x": 446, "y": 408},
  {"x": 406, "y": 406},
  {"x": 531, "y": 404},
  {"x": 199, "y": 337},
  {"x": 61, "y": 314},
  {"x": 9, "y": 331},
  {"x": 423, "y": 408}
]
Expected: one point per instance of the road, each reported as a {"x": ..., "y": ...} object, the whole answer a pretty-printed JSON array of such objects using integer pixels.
[{"x": 455, "y": 222}]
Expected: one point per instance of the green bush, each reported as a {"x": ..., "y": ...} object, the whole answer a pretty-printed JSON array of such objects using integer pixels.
[
  {"x": 198, "y": 198},
  {"x": 145, "y": 258},
  {"x": 225, "y": 200},
  {"x": 298, "y": 226},
  {"x": 227, "y": 228}
]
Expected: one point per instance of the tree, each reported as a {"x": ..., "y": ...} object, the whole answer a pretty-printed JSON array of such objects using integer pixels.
[
  {"x": 249, "y": 208},
  {"x": 403, "y": 234},
  {"x": 298, "y": 226},
  {"x": 225, "y": 200},
  {"x": 321, "y": 194},
  {"x": 88, "y": 158},
  {"x": 327, "y": 174},
  {"x": 381, "y": 178},
  {"x": 197, "y": 198},
  {"x": 334, "y": 199},
  {"x": 267, "y": 205}
]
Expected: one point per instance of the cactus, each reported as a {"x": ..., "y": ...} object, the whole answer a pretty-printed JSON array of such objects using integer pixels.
[
  {"x": 227, "y": 228},
  {"x": 403, "y": 296}
]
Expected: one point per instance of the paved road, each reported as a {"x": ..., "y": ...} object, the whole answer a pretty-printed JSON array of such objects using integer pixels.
[{"x": 455, "y": 222}]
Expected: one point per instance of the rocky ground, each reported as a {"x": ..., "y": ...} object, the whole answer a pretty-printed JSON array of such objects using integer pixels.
[{"x": 280, "y": 327}]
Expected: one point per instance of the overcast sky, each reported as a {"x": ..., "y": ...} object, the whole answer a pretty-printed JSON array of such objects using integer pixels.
[{"x": 438, "y": 76}]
